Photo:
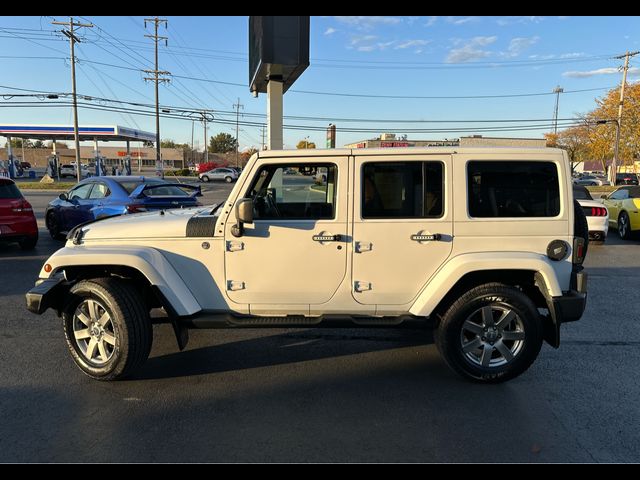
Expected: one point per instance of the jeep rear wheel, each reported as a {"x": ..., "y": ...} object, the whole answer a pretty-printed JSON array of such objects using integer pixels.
[
  {"x": 491, "y": 334},
  {"x": 107, "y": 328}
]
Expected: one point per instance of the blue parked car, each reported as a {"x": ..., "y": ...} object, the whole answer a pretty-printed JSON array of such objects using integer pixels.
[{"x": 98, "y": 197}]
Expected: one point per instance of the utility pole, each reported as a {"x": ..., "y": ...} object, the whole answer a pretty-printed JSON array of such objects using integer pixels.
[
  {"x": 558, "y": 90},
  {"x": 206, "y": 143},
  {"x": 264, "y": 128},
  {"x": 156, "y": 73},
  {"x": 237, "y": 106},
  {"x": 191, "y": 155},
  {"x": 72, "y": 40},
  {"x": 614, "y": 164}
]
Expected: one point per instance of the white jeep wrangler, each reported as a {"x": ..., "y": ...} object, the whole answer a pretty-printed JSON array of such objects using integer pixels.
[{"x": 484, "y": 243}]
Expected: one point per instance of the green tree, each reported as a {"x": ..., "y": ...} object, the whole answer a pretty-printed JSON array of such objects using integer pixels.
[
  {"x": 38, "y": 144},
  {"x": 223, "y": 143},
  {"x": 302, "y": 144},
  {"x": 168, "y": 143},
  {"x": 18, "y": 142}
]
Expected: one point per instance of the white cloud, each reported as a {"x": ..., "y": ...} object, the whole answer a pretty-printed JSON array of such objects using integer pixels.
[
  {"x": 511, "y": 20},
  {"x": 634, "y": 71},
  {"x": 412, "y": 43},
  {"x": 573, "y": 55},
  {"x": 367, "y": 23},
  {"x": 432, "y": 19},
  {"x": 471, "y": 50},
  {"x": 553, "y": 55},
  {"x": 359, "y": 39},
  {"x": 330, "y": 31},
  {"x": 520, "y": 44},
  {"x": 462, "y": 20}
]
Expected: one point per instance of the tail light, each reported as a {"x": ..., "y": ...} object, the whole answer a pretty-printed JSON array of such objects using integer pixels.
[
  {"x": 23, "y": 207},
  {"x": 136, "y": 208},
  {"x": 598, "y": 212},
  {"x": 579, "y": 244}
]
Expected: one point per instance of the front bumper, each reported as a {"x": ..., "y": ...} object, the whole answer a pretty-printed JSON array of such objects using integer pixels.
[{"x": 47, "y": 293}]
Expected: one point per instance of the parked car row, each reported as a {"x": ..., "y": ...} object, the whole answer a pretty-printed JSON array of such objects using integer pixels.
[{"x": 106, "y": 196}]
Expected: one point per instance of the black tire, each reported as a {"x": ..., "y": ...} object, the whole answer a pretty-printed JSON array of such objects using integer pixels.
[
  {"x": 53, "y": 226},
  {"x": 449, "y": 335},
  {"x": 624, "y": 226},
  {"x": 131, "y": 324},
  {"x": 228, "y": 179},
  {"x": 29, "y": 243},
  {"x": 580, "y": 225},
  {"x": 204, "y": 178}
]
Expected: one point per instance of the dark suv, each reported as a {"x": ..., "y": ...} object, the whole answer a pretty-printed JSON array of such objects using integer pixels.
[{"x": 626, "y": 179}]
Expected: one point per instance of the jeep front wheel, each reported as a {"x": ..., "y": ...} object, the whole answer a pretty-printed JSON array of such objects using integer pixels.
[
  {"x": 491, "y": 334},
  {"x": 107, "y": 328}
]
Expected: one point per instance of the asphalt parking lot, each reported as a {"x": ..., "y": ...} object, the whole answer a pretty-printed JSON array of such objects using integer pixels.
[{"x": 297, "y": 395}]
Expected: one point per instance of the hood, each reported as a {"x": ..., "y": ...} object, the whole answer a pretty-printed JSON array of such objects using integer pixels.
[{"x": 157, "y": 224}]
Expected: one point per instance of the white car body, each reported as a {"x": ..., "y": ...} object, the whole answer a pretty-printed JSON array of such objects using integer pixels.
[
  {"x": 598, "y": 224},
  {"x": 220, "y": 173}
]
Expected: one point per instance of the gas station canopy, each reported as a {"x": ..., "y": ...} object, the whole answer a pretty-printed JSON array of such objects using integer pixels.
[{"x": 104, "y": 133}]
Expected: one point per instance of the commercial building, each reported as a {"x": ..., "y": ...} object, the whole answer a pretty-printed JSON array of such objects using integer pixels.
[{"x": 390, "y": 140}]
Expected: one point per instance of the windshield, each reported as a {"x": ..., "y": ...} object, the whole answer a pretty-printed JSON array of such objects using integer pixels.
[
  {"x": 168, "y": 190},
  {"x": 581, "y": 193}
]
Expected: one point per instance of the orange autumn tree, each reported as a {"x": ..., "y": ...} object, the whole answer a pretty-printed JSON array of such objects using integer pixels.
[
  {"x": 602, "y": 136},
  {"x": 575, "y": 140}
]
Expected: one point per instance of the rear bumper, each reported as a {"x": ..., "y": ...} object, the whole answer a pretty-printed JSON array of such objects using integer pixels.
[{"x": 47, "y": 293}]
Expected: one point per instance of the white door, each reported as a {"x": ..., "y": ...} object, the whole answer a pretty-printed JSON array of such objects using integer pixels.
[
  {"x": 295, "y": 251},
  {"x": 402, "y": 228}
]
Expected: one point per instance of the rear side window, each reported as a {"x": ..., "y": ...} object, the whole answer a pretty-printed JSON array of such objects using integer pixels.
[
  {"x": 513, "y": 189},
  {"x": 9, "y": 190},
  {"x": 402, "y": 190}
]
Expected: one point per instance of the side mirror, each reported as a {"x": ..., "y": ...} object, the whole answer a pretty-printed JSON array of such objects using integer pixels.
[
  {"x": 63, "y": 196},
  {"x": 244, "y": 214}
]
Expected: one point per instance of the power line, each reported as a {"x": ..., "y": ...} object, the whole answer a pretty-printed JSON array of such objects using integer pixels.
[{"x": 41, "y": 93}]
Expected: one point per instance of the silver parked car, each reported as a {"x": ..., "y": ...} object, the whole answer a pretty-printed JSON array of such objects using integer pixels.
[
  {"x": 222, "y": 173},
  {"x": 591, "y": 180}
]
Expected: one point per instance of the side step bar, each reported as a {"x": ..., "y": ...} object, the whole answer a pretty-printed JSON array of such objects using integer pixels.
[{"x": 227, "y": 320}]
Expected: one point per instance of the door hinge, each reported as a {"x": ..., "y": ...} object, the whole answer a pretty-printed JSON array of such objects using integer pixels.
[
  {"x": 234, "y": 246},
  {"x": 235, "y": 285},
  {"x": 362, "y": 286},
  {"x": 363, "y": 247}
]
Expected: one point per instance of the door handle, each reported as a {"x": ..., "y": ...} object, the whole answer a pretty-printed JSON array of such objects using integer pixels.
[
  {"x": 434, "y": 237},
  {"x": 326, "y": 238},
  {"x": 363, "y": 247}
]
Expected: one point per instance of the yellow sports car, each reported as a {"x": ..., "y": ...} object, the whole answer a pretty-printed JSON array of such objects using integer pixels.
[{"x": 624, "y": 210}]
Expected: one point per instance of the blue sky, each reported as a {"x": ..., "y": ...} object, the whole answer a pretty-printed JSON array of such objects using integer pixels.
[{"x": 376, "y": 56}]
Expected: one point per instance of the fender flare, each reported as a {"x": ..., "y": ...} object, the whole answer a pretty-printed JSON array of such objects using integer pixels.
[
  {"x": 449, "y": 274},
  {"x": 148, "y": 261}
]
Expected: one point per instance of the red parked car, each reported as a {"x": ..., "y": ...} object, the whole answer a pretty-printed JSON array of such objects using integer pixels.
[{"x": 17, "y": 221}]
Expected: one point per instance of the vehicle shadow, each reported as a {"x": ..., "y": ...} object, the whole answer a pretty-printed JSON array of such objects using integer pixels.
[{"x": 300, "y": 345}]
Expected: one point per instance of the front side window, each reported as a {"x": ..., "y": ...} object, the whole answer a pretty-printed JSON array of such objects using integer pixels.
[
  {"x": 81, "y": 192},
  {"x": 402, "y": 190},
  {"x": 291, "y": 192},
  {"x": 621, "y": 194},
  {"x": 512, "y": 189}
]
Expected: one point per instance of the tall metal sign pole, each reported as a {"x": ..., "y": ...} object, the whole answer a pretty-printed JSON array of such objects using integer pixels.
[
  {"x": 616, "y": 148},
  {"x": 156, "y": 78},
  {"x": 72, "y": 40}
]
